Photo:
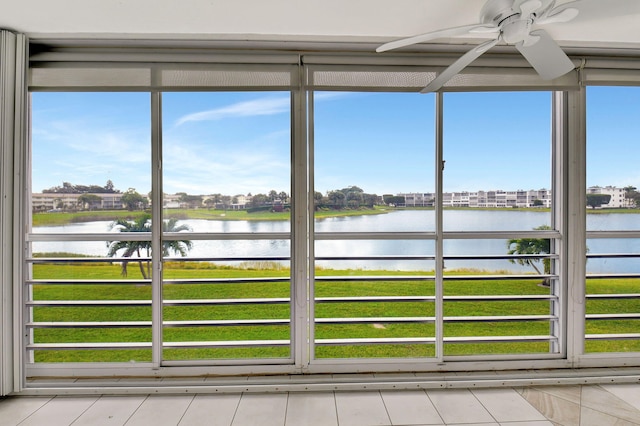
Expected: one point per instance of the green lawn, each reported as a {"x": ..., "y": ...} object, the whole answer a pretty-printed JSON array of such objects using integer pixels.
[{"x": 261, "y": 290}]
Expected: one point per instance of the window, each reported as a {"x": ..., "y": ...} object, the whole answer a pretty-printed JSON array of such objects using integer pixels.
[
  {"x": 498, "y": 296},
  {"x": 230, "y": 218},
  {"x": 374, "y": 177},
  {"x": 88, "y": 294},
  {"x": 613, "y": 237}
]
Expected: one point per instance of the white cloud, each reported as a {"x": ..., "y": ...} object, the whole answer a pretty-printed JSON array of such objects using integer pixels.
[{"x": 266, "y": 106}]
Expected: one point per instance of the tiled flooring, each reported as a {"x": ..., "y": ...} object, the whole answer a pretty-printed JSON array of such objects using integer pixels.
[{"x": 593, "y": 405}]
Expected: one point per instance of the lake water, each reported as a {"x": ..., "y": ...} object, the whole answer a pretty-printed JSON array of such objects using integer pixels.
[{"x": 399, "y": 221}]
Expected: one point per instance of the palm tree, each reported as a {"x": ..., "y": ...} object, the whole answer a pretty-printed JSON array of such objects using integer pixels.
[
  {"x": 143, "y": 248},
  {"x": 530, "y": 246}
]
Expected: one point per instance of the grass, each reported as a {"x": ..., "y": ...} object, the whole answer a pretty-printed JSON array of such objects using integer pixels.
[{"x": 193, "y": 270}]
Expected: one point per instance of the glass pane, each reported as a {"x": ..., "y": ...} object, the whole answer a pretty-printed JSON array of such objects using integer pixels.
[
  {"x": 612, "y": 178},
  {"x": 374, "y": 173},
  {"x": 497, "y": 148},
  {"x": 89, "y": 300},
  {"x": 227, "y": 173},
  {"x": 613, "y": 264},
  {"x": 497, "y": 177}
]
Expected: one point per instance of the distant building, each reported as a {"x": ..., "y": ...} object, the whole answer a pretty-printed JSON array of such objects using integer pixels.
[
  {"x": 618, "y": 196},
  {"x": 61, "y": 201},
  {"x": 494, "y": 198}
]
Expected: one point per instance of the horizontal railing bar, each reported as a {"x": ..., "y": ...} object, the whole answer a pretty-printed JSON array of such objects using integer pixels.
[
  {"x": 613, "y": 296},
  {"x": 184, "y": 302},
  {"x": 88, "y": 282},
  {"x": 375, "y": 320},
  {"x": 431, "y": 340},
  {"x": 108, "y": 236},
  {"x": 499, "y": 298},
  {"x": 226, "y": 344},
  {"x": 226, "y": 323},
  {"x": 40, "y": 260},
  {"x": 90, "y": 324},
  {"x": 47, "y": 260},
  {"x": 612, "y": 255},
  {"x": 166, "y": 345},
  {"x": 612, "y": 234},
  {"x": 226, "y": 280},
  {"x": 612, "y": 316},
  {"x": 141, "y": 324},
  {"x": 366, "y": 299},
  {"x": 192, "y": 236},
  {"x": 283, "y": 300},
  {"x": 229, "y": 259},
  {"x": 321, "y": 236},
  {"x": 146, "y": 236},
  {"x": 375, "y": 341},
  {"x": 215, "y": 302},
  {"x": 286, "y": 321},
  {"x": 381, "y": 257},
  {"x": 323, "y": 278},
  {"x": 502, "y": 318},
  {"x": 87, "y": 303},
  {"x": 501, "y": 235},
  {"x": 501, "y": 257},
  {"x": 169, "y": 281},
  {"x": 622, "y": 336},
  {"x": 84, "y": 346},
  {"x": 601, "y": 276},
  {"x": 499, "y": 339},
  {"x": 496, "y": 277}
]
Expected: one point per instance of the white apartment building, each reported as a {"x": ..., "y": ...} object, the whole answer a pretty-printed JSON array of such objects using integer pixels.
[
  {"x": 494, "y": 198},
  {"x": 58, "y": 201},
  {"x": 618, "y": 196}
]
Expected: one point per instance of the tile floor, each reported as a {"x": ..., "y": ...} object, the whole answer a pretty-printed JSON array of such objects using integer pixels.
[{"x": 593, "y": 405}]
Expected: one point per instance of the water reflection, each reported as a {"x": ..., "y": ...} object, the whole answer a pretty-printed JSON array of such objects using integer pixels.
[{"x": 400, "y": 221}]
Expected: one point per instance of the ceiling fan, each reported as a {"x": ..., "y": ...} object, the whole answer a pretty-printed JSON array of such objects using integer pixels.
[{"x": 515, "y": 22}]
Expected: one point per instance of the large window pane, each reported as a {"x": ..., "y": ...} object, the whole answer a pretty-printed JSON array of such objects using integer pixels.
[
  {"x": 497, "y": 178},
  {"x": 226, "y": 175},
  {"x": 374, "y": 173},
  {"x": 613, "y": 268},
  {"x": 88, "y": 300}
]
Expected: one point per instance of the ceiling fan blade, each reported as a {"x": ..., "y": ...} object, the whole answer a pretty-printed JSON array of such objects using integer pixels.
[
  {"x": 595, "y": 9},
  {"x": 459, "y": 65},
  {"x": 546, "y": 56},
  {"x": 529, "y": 6},
  {"x": 449, "y": 32},
  {"x": 565, "y": 15}
]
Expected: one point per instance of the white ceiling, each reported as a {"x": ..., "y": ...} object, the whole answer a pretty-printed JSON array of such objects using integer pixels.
[{"x": 281, "y": 20}]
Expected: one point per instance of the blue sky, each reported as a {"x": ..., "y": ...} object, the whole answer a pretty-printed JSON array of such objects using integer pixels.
[{"x": 239, "y": 143}]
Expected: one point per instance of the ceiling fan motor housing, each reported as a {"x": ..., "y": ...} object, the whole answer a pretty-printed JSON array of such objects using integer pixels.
[{"x": 494, "y": 12}]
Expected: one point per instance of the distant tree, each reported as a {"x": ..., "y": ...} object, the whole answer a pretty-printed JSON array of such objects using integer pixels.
[
  {"x": 532, "y": 246},
  {"x": 632, "y": 196},
  {"x": 337, "y": 199},
  {"x": 142, "y": 249},
  {"x": 259, "y": 200},
  {"x": 597, "y": 200},
  {"x": 192, "y": 201},
  {"x": 537, "y": 203},
  {"x": 393, "y": 199},
  {"x": 210, "y": 202},
  {"x": 89, "y": 201},
  {"x": 132, "y": 200}
]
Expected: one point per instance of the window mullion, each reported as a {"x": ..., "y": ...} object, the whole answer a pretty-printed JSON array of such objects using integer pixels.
[
  {"x": 156, "y": 227},
  {"x": 439, "y": 267}
]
